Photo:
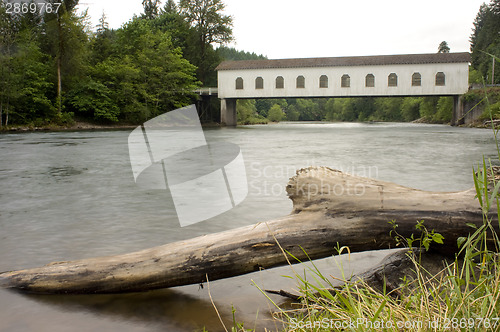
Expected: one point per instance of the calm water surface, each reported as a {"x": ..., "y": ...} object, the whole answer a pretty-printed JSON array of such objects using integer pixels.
[{"x": 71, "y": 195}]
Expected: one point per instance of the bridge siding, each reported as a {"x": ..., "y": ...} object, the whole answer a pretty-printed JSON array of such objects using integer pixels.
[
  {"x": 456, "y": 81},
  {"x": 454, "y": 65}
]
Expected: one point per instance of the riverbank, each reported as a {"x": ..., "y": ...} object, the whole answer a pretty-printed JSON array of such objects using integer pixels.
[
  {"x": 480, "y": 106},
  {"x": 79, "y": 126},
  {"x": 87, "y": 126}
]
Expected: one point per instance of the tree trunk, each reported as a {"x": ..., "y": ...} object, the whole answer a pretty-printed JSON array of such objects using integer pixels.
[
  {"x": 7, "y": 111},
  {"x": 330, "y": 209},
  {"x": 59, "y": 86},
  {"x": 58, "y": 63}
]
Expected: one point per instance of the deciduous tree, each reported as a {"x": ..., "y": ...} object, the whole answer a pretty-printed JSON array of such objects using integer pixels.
[
  {"x": 211, "y": 26},
  {"x": 275, "y": 113}
]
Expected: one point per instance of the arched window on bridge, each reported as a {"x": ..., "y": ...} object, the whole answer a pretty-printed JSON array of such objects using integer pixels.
[
  {"x": 392, "y": 80},
  {"x": 301, "y": 82},
  {"x": 440, "y": 79},
  {"x": 416, "y": 79},
  {"x": 239, "y": 83},
  {"x": 280, "y": 82},
  {"x": 259, "y": 83},
  {"x": 345, "y": 82},
  {"x": 370, "y": 81},
  {"x": 323, "y": 81}
]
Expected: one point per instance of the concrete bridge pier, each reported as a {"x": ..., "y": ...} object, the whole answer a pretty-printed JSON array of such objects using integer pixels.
[
  {"x": 228, "y": 112},
  {"x": 457, "y": 117}
]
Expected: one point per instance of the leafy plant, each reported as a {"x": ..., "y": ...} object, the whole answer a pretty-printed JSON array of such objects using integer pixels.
[
  {"x": 275, "y": 114},
  {"x": 425, "y": 239}
]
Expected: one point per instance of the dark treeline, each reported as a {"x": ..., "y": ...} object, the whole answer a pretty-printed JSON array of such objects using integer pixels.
[
  {"x": 55, "y": 67},
  {"x": 485, "y": 42},
  {"x": 396, "y": 109}
]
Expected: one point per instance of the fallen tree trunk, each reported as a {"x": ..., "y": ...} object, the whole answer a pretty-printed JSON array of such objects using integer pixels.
[{"x": 331, "y": 208}]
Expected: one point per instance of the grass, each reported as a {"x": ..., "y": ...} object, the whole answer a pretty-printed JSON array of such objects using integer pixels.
[
  {"x": 463, "y": 296},
  {"x": 460, "y": 297}
]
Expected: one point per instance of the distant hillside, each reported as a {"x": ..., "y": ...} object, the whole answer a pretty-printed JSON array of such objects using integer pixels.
[{"x": 230, "y": 53}]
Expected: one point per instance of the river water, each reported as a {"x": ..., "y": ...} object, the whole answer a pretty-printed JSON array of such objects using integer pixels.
[{"x": 71, "y": 195}]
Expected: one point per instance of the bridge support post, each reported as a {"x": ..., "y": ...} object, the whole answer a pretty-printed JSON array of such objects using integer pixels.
[
  {"x": 228, "y": 112},
  {"x": 458, "y": 111}
]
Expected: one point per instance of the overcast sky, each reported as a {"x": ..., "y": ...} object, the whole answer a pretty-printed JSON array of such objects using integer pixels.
[{"x": 323, "y": 28}]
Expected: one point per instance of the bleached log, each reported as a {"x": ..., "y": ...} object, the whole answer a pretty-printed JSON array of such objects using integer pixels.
[{"x": 330, "y": 208}]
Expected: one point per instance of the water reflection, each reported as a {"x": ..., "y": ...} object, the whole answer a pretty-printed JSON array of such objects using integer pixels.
[
  {"x": 190, "y": 308},
  {"x": 168, "y": 309},
  {"x": 65, "y": 171}
]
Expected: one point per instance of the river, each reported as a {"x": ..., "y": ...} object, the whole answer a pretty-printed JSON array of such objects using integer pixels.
[{"x": 69, "y": 195}]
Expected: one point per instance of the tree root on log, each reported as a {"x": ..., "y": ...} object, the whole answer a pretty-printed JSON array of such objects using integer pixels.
[
  {"x": 330, "y": 208},
  {"x": 286, "y": 294}
]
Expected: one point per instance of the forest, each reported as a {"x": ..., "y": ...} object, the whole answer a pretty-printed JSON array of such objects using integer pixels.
[{"x": 56, "y": 68}]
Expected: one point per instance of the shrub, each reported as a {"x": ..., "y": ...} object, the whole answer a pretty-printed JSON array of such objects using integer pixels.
[{"x": 275, "y": 114}]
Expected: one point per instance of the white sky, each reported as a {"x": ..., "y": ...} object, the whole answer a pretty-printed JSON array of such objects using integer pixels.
[{"x": 323, "y": 28}]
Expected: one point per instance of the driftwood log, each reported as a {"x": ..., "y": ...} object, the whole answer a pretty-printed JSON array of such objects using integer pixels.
[{"x": 330, "y": 208}]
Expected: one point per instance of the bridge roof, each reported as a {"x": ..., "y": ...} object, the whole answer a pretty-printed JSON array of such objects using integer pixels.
[{"x": 373, "y": 60}]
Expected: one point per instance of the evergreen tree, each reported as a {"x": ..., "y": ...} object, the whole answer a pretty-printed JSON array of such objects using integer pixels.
[
  {"x": 485, "y": 39},
  {"x": 170, "y": 7},
  {"x": 102, "y": 43},
  {"x": 66, "y": 42},
  {"x": 9, "y": 28},
  {"x": 478, "y": 25},
  {"x": 230, "y": 53},
  {"x": 103, "y": 25},
  {"x": 151, "y": 9},
  {"x": 443, "y": 47}
]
